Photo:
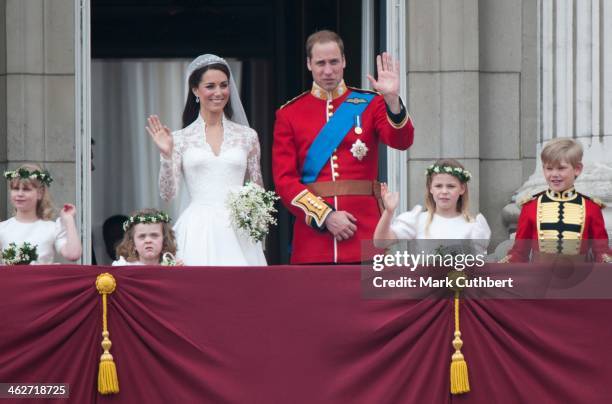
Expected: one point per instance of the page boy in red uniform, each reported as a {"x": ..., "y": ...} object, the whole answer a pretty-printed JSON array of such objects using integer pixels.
[{"x": 561, "y": 221}]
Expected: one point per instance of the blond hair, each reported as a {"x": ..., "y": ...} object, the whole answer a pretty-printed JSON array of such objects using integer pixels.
[
  {"x": 562, "y": 149},
  {"x": 462, "y": 203},
  {"x": 323, "y": 36},
  {"x": 127, "y": 248},
  {"x": 44, "y": 206}
]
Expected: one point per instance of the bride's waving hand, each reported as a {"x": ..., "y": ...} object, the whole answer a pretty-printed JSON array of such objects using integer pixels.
[{"x": 161, "y": 135}]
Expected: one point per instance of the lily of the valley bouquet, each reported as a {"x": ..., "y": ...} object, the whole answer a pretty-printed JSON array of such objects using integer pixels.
[
  {"x": 251, "y": 210},
  {"x": 23, "y": 254},
  {"x": 169, "y": 260}
]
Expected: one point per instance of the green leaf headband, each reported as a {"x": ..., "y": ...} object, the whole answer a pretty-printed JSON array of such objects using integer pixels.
[
  {"x": 461, "y": 174},
  {"x": 24, "y": 174},
  {"x": 147, "y": 218}
]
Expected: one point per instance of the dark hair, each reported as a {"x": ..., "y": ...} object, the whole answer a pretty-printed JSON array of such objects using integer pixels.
[
  {"x": 112, "y": 230},
  {"x": 192, "y": 108},
  {"x": 323, "y": 36}
]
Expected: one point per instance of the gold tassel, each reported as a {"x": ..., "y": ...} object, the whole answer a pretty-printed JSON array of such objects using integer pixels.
[
  {"x": 459, "y": 379},
  {"x": 108, "y": 382}
]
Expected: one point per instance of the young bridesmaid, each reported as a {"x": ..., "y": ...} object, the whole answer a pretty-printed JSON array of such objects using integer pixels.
[
  {"x": 33, "y": 219},
  {"x": 446, "y": 214},
  {"x": 148, "y": 240}
]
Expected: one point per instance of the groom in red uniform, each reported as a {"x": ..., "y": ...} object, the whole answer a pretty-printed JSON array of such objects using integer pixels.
[{"x": 325, "y": 153}]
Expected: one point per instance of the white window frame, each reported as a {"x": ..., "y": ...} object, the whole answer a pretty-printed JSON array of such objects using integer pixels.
[
  {"x": 82, "y": 127},
  {"x": 397, "y": 161}
]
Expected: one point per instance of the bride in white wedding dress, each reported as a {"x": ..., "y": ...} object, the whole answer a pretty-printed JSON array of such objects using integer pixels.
[{"x": 215, "y": 152}]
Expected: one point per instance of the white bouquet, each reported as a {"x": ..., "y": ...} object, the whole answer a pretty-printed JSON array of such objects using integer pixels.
[
  {"x": 251, "y": 210},
  {"x": 169, "y": 260},
  {"x": 23, "y": 254}
]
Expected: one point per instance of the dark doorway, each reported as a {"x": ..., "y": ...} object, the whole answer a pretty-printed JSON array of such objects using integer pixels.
[{"x": 266, "y": 35}]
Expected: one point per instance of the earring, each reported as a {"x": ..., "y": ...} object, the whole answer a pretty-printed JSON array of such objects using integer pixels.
[{"x": 197, "y": 99}]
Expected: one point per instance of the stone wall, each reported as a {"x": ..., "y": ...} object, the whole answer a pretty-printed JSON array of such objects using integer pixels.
[
  {"x": 37, "y": 85},
  {"x": 3, "y": 100},
  {"x": 472, "y": 74},
  {"x": 509, "y": 93},
  {"x": 443, "y": 88}
]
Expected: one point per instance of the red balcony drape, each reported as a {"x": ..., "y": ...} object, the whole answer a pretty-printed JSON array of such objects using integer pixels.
[{"x": 292, "y": 335}]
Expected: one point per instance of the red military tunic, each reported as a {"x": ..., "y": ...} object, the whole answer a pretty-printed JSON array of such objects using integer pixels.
[
  {"x": 297, "y": 124},
  {"x": 567, "y": 223}
]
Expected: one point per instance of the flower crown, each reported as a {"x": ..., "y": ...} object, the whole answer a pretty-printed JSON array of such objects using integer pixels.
[
  {"x": 462, "y": 175},
  {"x": 24, "y": 174},
  {"x": 147, "y": 218}
]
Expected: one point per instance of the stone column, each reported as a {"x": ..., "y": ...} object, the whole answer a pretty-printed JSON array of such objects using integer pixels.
[
  {"x": 575, "y": 94},
  {"x": 3, "y": 97},
  {"x": 508, "y": 96},
  {"x": 38, "y": 72},
  {"x": 443, "y": 89}
]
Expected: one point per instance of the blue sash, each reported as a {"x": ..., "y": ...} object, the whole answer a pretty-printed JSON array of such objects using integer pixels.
[{"x": 332, "y": 133}]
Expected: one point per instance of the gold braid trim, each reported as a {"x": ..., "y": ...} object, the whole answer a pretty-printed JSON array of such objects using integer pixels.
[
  {"x": 402, "y": 123},
  {"x": 312, "y": 205}
]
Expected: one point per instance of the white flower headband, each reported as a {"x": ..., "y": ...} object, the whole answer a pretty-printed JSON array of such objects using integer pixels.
[
  {"x": 25, "y": 174},
  {"x": 461, "y": 174},
  {"x": 160, "y": 217}
]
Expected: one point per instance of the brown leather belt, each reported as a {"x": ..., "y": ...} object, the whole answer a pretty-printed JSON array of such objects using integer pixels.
[{"x": 327, "y": 189}]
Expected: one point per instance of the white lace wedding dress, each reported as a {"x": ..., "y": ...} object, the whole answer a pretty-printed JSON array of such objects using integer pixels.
[{"x": 204, "y": 232}]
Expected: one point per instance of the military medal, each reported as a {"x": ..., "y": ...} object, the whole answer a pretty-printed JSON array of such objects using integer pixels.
[
  {"x": 359, "y": 149},
  {"x": 358, "y": 129}
]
